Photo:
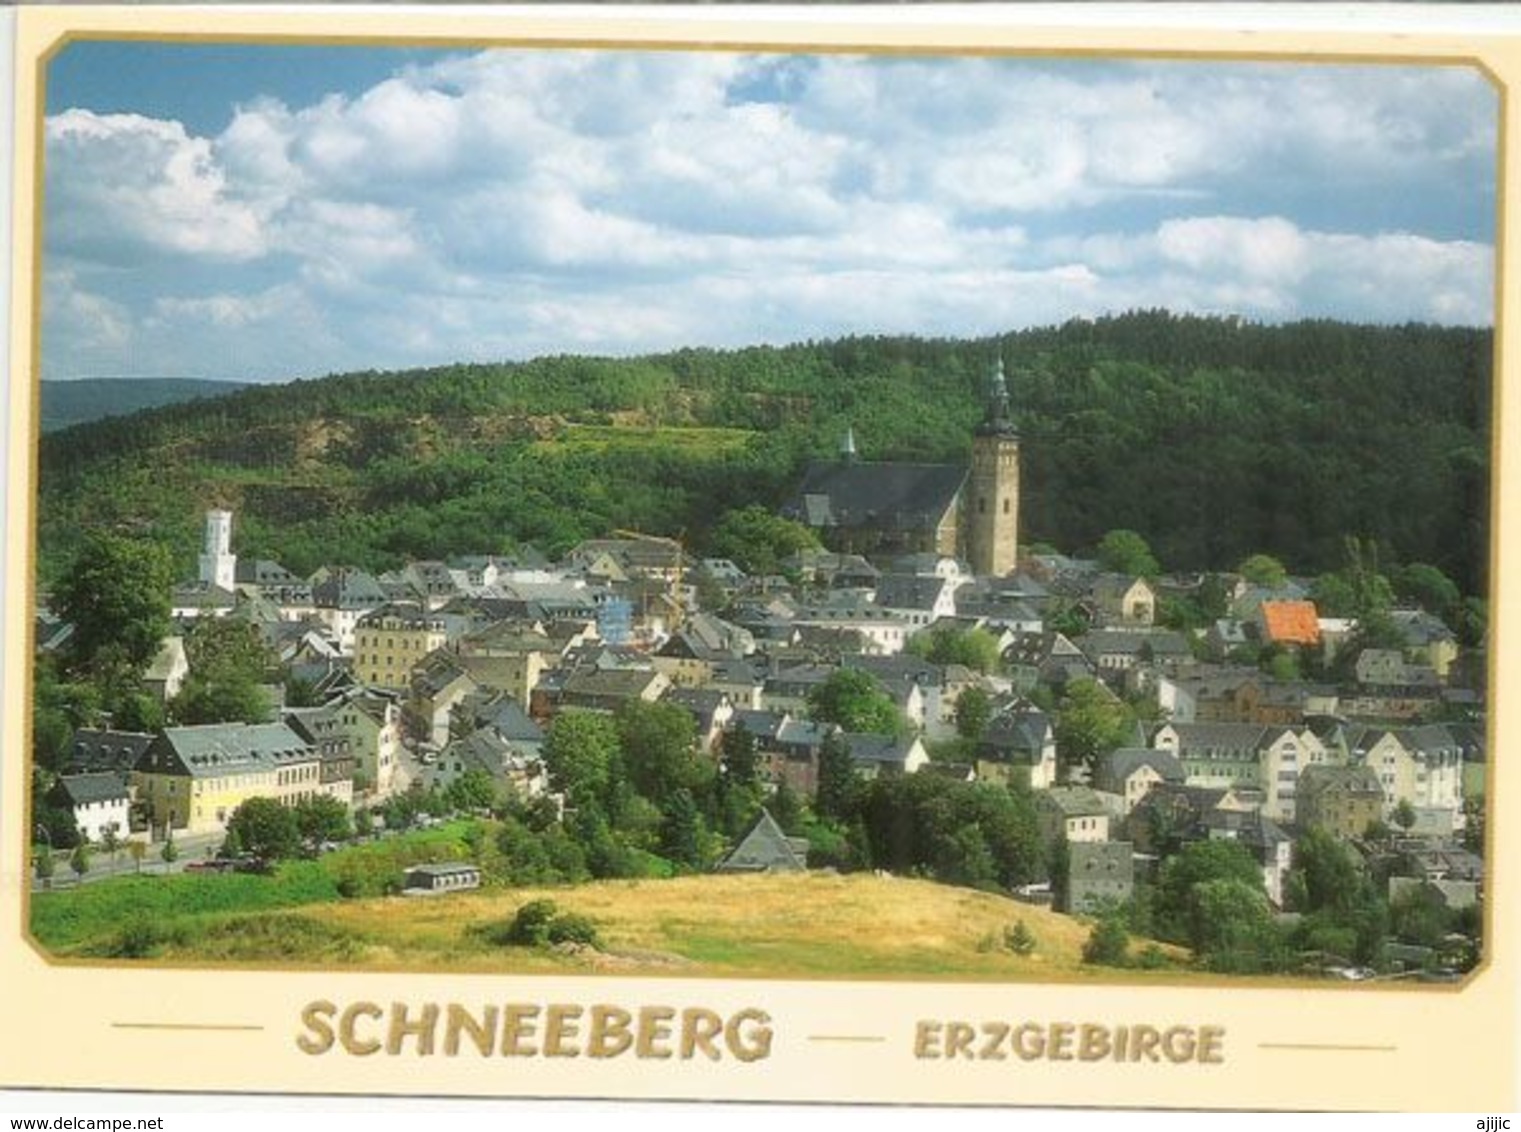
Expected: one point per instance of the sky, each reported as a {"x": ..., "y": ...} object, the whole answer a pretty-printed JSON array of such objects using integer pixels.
[{"x": 263, "y": 213}]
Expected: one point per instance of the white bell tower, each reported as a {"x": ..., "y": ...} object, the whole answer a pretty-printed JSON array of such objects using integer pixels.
[{"x": 218, "y": 563}]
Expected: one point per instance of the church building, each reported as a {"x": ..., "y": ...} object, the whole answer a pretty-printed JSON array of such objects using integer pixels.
[{"x": 890, "y": 509}]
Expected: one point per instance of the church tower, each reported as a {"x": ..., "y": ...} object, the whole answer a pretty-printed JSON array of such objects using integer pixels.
[{"x": 992, "y": 506}]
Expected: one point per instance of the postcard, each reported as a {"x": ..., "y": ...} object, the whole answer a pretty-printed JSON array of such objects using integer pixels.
[{"x": 875, "y": 555}]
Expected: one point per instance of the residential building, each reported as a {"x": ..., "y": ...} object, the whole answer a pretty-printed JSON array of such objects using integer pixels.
[
  {"x": 1072, "y": 813},
  {"x": 390, "y": 641},
  {"x": 1018, "y": 743},
  {"x": 1421, "y": 765},
  {"x": 1099, "y": 874},
  {"x": 98, "y": 802},
  {"x": 191, "y": 779},
  {"x": 1344, "y": 800},
  {"x": 1124, "y": 601},
  {"x": 1129, "y": 773}
]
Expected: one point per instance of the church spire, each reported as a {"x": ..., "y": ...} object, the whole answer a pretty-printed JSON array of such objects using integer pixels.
[{"x": 995, "y": 420}]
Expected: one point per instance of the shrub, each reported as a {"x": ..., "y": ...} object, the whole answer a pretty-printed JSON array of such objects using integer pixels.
[
  {"x": 540, "y": 923},
  {"x": 572, "y": 927},
  {"x": 1018, "y": 939},
  {"x": 1108, "y": 944},
  {"x": 530, "y": 927},
  {"x": 139, "y": 938}
]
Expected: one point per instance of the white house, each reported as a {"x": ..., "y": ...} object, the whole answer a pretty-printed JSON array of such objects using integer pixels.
[{"x": 98, "y": 802}]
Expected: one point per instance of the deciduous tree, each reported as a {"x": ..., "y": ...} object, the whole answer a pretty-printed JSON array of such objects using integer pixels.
[
  {"x": 265, "y": 828},
  {"x": 854, "y": 700},
  {"x": 1126, "y": 552}
]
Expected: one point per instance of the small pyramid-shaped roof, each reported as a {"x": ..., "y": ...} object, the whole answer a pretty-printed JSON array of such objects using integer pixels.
[{"x": 765, "y": 849}]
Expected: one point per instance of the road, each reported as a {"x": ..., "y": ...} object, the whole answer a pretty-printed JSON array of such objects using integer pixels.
[{"x": 198, "y": 847}]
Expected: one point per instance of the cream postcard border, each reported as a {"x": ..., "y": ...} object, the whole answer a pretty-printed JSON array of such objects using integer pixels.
[{"x": 107, "y": 1027}]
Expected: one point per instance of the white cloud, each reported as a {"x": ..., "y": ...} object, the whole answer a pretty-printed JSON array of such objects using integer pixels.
[
  {"x": 507, "y": 203},
  {"x": 125, "y": 183}
]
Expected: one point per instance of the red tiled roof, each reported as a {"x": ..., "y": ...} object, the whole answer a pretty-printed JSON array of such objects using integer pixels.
[{"x": 1290, "y": 622}]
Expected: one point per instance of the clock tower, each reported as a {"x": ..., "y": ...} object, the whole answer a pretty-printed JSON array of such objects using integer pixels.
[{"x": 992, "y": 505}]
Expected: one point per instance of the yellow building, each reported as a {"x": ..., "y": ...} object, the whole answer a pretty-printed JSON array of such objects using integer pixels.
[
  {"x": 191, "y": 779},
  {"x": 390, "y": 641}
]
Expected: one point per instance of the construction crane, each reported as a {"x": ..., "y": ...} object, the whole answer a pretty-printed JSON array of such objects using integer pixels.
[{"x": 676, "y": 592}]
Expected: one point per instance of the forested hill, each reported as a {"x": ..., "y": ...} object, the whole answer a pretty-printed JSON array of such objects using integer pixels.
[
  {"x": 66, "y": 403},
  {"x": 1212, "y": 437}
]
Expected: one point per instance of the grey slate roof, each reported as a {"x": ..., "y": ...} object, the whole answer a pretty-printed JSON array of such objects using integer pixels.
[
  {"x": 1351, "y": 779},
  {"x": 348, "y": 589},
  {"x": 1212, "y": 736},
  {"x": 761, "y": 724},
  {"x": 765, "y": 848},
  {"x": 1021, "y": 733},
  {"x": 1114, "y": 768},
  {"x": 84, "y": 789},
  {"x": 908, "y": 591},
  {"x": 1107, "y": 642},
  {"x": 99, "y": 750},
  {"x": 1072, "y": 801},
  {"x": 217, "y": 749},
  {"x": 877, "y": 749},
  {"x": 888, "y": 495}
]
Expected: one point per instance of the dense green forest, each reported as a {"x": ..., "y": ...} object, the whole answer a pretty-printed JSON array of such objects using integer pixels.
[{"x": 1214, "y": 437}]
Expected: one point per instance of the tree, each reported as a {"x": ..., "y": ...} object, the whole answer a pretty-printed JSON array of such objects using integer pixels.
[
  {"x": 1174, "y": 910},
  {"x": 323, "y": 818},
  {"x": 973, "y": 648},
  {"x": 739, "y": 781},
  {"x": 1428, "y": 587},
  {"x": 265, "y": 828},
  {"x": 228, "y": 663},
  {"x": 681, "y": 834},
  {"x": 1263, "y": 570},
  {"x": 974, "y": 710},
  {"x": 170, "y": 852},
  {"x": 110, "y": 844},
  {"x": 1230, "y": 926},
  {"x": 137, "y": 850},
  {"x": 79, "y": 860},
  {"x": 364, "y": 823},
  {"x": 116, "y": 595},
  {"x": 1126, "y": 552},
  {"x": 852, "y": 699},
  {"x": 1108, "y": 943},
  {"x": 1404, "y": 815},
  {"x": 838, "y": 782},
  {"x": 1019, "y": 939},
  {"x": 756, "y": 539},
  {"x": 786, "y": 807},
  {"x": 659, "y": 744},
  {"x": 1089, "y": 724},
  {"x": 473, "y": 790},
  {"x": 45, "y": 866},
  {"x": 583, "y": 757}
]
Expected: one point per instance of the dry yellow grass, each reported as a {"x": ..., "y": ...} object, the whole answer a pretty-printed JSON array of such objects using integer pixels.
[{"x": 814, "y": 925}]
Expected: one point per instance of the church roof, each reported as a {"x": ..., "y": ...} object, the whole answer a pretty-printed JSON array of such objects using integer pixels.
[{"x": 887, "y": 495}]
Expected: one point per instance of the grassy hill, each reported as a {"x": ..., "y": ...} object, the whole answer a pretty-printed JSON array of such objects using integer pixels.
[
  {"x": 816, "y": 925},
  {"x": 69, "y": 403}
]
